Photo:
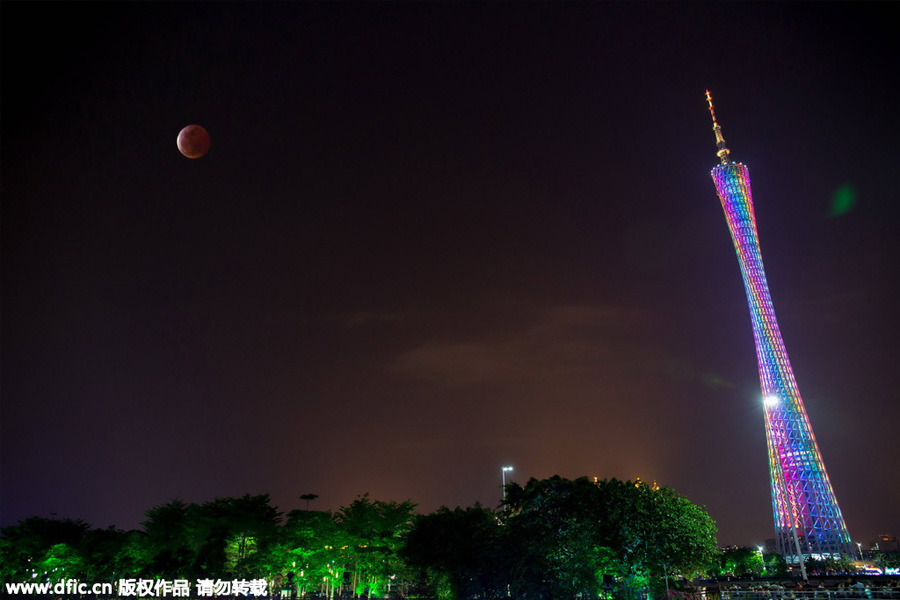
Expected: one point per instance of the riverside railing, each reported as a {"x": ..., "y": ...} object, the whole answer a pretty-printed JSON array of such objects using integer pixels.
[{"x": 849, "y": 593}]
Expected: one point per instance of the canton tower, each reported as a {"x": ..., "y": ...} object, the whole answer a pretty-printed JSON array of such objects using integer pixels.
[{"x": 808, "y": 521}]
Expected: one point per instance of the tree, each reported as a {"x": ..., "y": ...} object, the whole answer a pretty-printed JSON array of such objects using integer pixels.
[
  {"x": 775, "y": 565},
  {"x": 219, "y": 538},
  {"x": 133, "y": 557},
  {"x": 168, "y": 549},
  {"x": 229, "y": 532},
  {"x": 102, "y": 551},
  {"x": 739, "y": 562},
  {"x": 306, "y": 549},
  {"x": 656, "y": 532},
  {"x": 376, "y": 529},
  {"x": 887, "y": 560},
  {"x": 828, "y": 565},
  {"x": 460, "y": 553},
  {"x": 553, "y": 527},
  {"x": 567, "y": 534},
  {"x": 308, "y": 497},
  {"x": 60, "y": 561},
  {"x": 33, "y": 548}
]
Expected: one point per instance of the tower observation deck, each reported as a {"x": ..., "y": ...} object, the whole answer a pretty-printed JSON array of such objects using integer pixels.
[{"x": 808, "y": 521}]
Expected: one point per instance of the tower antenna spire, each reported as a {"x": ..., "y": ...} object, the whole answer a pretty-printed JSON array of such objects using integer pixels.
[{"x": 724, "y": 153}]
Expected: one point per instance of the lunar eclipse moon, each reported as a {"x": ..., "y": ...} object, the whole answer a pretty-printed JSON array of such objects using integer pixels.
[{"x": 193, "y": 141}]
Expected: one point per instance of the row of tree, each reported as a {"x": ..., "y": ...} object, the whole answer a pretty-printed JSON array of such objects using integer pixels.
[
  {"x": 354, "y": 549},
  {"x": 750, "y": 562},
  {"x": 552, "y": 538}
]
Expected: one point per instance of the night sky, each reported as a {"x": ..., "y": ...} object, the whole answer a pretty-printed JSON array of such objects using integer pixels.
[{"x": 433, "y": 239}]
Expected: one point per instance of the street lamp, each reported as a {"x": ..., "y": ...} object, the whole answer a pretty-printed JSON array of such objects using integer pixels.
[{"x": 503, "y": 471}]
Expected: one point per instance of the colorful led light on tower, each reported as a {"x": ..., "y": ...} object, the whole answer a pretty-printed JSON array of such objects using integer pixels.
[{"x": 808, "y": 521}]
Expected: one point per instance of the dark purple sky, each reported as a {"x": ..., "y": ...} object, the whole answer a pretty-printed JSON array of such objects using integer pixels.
[{"x": 433, "y": 239}]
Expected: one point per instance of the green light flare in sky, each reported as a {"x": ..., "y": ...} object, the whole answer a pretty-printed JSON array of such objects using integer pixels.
[{"x": 842, "y": 200}]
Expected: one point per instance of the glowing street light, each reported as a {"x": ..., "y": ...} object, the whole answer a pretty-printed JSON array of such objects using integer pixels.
[{"x": 503, "y": 471}]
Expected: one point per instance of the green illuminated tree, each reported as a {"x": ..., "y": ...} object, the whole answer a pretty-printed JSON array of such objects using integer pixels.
[
  {"x": 306, "y": 549},
  {"x": 739, "y": 562},
  {"x": 36, "y": 543},
  {"x": 775, "y": 564},
  {"x": 60, "y": 561},
  {"x": 376, "y": 529},
  {"x": 134, "y": 557}
]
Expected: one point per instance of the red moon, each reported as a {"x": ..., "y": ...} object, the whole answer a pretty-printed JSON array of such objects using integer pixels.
[{"x": 193, "y": 141}]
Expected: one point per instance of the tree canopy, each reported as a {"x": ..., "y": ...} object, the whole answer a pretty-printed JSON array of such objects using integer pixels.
[
  {"x": 559, "y": 538},
  {"x": 551, "y": 538},
  {"x": 577, "y": 532}
]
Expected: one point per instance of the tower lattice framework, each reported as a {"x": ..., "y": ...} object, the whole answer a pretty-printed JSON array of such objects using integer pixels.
[{"x": 808, "y": 521}]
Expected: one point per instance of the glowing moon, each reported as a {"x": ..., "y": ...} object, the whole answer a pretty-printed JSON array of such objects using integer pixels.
[{"x": 193, "y": 141}]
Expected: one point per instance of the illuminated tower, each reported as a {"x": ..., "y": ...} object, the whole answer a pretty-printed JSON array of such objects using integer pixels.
[{"x": 808, "y": 521}]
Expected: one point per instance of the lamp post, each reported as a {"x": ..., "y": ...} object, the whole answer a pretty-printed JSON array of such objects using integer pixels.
[{"x": 503, "y": 471}]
